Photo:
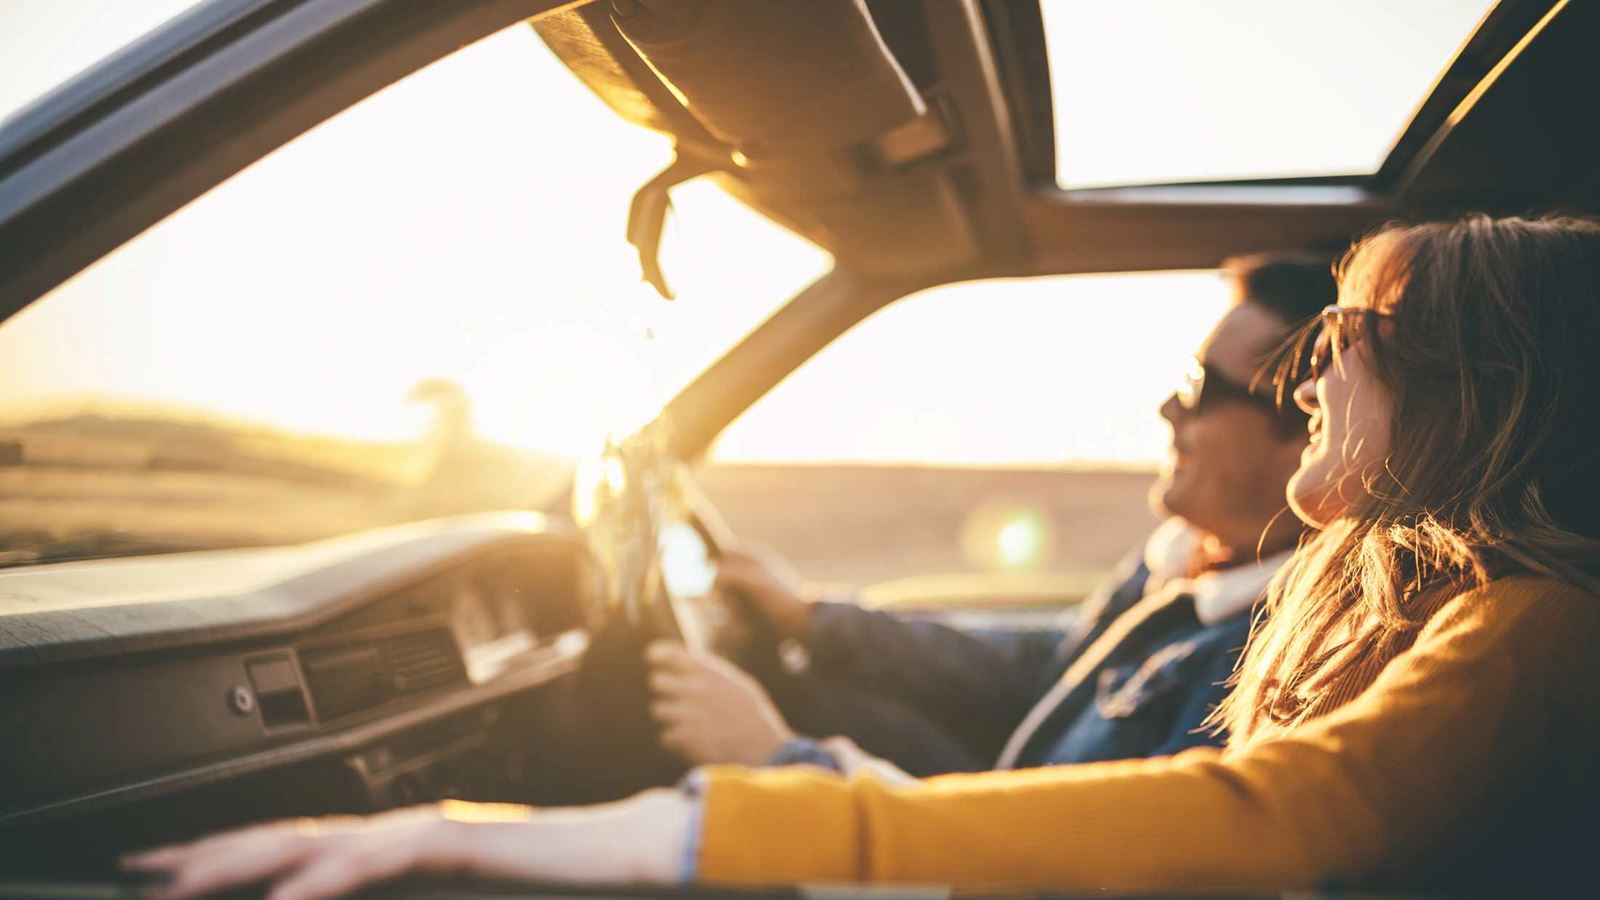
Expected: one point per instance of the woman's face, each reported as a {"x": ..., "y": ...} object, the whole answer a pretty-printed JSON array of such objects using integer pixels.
[{"x": 1350, "y": 414}]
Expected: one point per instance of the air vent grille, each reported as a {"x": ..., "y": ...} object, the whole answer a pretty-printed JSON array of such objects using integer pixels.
[
  {"x": 422, "y": 659},
  {"x": 344, "y": 678},
  {"x": 347, "y": 678}
]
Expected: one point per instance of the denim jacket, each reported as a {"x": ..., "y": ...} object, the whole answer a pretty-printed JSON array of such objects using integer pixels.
[{"x": 1134, "y": 676}]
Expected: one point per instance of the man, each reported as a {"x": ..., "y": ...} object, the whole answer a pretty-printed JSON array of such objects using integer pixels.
[{"x": 1139, "y": 671}]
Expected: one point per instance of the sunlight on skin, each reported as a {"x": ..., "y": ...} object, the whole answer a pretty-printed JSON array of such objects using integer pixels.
[{"x": 1350, "y": 437}]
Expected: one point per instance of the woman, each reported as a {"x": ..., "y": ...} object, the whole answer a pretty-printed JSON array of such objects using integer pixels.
[{"x": 1420, "y": 706}]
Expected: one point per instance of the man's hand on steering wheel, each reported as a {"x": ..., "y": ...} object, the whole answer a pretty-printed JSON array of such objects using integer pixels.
[
  {"x": 770, "y": 585},
  {"x": 710, "y": 710}
]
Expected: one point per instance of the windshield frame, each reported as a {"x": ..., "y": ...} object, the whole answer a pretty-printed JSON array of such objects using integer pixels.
[{"x": 120, "y": 73}]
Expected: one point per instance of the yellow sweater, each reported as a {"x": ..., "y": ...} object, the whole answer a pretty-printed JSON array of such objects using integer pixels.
[{"x": 1470, "y": 759}]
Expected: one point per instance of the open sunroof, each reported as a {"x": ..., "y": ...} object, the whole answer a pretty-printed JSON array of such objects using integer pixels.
[{"x": 1164, "y": 91}]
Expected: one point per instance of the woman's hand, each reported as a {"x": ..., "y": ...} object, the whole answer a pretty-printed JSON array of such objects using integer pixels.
[
  {"x": 710, "y": 710},
  {"x": 770, "y": 585},
  {"x": 638, "y": 840}
]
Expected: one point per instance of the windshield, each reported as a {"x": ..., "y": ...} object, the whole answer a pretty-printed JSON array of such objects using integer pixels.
[{"x": 424, "y": 306}]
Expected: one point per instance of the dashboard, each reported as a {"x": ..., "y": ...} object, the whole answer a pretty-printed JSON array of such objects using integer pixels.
[{"x": 148, "y": 699}]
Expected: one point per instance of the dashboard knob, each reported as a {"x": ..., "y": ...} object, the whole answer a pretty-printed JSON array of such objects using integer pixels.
[{"x": 241, "y": 700}]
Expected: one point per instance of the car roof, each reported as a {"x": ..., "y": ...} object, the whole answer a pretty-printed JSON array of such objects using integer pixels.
[
  {"x": 1503, "y": 128},
  {"x": 965, "y": 191},
  {"x": 956, "y": 183}
]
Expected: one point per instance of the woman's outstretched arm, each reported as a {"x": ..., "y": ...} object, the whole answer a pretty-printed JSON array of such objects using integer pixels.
[
  {"x": 1476, "y": 738},
  {"x": 1467, "y": 751},
  {"x": 639, "y": 840}
]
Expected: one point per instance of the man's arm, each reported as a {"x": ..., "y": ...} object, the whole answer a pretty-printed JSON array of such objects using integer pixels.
[
  {"x": 967, "y": 678},
  {"x": 976, "y": 681},
  {"x": 712, "y": 713}
]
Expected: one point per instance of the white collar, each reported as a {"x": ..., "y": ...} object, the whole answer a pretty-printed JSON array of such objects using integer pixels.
[{"x": 1217, "y": 595}]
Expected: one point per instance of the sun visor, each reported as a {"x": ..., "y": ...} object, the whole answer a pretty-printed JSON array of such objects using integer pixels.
[
  {"x": 773, "y": 78},
  {"x": 586, "y": 41}
]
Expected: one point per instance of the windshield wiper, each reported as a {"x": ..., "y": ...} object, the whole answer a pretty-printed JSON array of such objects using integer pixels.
[{"x": 91, "y": 545}]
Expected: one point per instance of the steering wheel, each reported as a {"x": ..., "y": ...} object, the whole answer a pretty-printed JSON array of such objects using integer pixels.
[{"x": 657, "y": 541}]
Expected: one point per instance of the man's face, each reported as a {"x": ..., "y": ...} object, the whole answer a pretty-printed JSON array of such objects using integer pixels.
[{"x": 1229, "y": 461}]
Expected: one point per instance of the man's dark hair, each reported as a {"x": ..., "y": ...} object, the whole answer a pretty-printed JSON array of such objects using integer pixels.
[{"x": 1295, "y": 286}]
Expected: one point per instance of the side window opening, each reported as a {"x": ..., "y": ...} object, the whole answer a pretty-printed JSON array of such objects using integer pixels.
[{"x": 1004, "y": 429}]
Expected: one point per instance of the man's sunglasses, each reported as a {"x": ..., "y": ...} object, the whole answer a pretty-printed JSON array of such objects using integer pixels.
[
  {"x": 1338, "y": 327},
  {"x": 1203, "y": 387},
  {"x": 1334, "y": 331}
]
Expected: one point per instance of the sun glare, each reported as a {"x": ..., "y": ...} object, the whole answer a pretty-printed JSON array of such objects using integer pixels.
[{"x": 466, "y": 224}]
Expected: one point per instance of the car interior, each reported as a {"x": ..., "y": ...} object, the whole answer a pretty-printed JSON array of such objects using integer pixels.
[{"x": 497, "y": 656}]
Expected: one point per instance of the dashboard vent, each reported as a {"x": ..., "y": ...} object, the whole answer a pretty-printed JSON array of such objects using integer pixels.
[
  {"x": 344, "y": 678},
  {"x": 348, "y": 678},
  {"x": 422, "y": 659}
]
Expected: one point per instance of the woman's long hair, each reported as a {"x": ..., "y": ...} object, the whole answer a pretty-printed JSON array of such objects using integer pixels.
[{"x": 1493, "y": 363}]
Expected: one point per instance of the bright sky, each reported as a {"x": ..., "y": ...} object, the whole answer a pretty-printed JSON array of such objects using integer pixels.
[
  {"x": 434, "y": 230},
  {"x": 1044, "y": 370},
  {"x": 440, "y": 229},
  {"x": 1150, "y": 91}
]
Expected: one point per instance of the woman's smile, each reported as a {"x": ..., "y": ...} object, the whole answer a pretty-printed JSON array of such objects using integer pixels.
[{"x": 1314, "y": 426}]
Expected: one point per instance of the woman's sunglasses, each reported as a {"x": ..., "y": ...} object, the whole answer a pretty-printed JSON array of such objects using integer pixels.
[
  {"x": 1338, "y": 328},
  {"x": 1334, "y": 331}
]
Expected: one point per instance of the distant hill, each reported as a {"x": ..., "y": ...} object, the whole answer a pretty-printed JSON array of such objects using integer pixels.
[
  {"x": 861, "y": 524},
  {"x": 188, "y": 480}
]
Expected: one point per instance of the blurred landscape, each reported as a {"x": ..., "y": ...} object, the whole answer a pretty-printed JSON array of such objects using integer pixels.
[
  {"x": 103, "y": 484},
  {"x": 94, "y": 483},
  {"x": 861, "y": 524}
]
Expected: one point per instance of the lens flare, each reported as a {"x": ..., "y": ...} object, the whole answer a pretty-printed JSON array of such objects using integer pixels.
[
  {"x": 1020, "y": 542},
  {"x": 1008, "y": 536},
  {"x": 599, "y": 478}
]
